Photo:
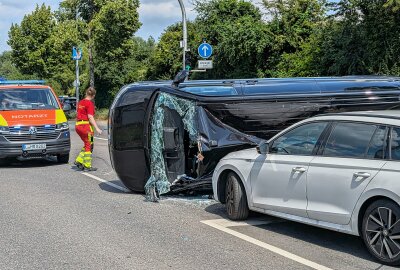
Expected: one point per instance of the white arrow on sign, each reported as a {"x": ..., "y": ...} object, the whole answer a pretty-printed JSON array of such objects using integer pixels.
[{"x": 205, "y": 49}]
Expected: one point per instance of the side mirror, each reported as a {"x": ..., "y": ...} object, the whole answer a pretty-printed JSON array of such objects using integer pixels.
[
  {"x": 66, "y": 107},
  {"x": 263, "y": 148},
  {"x": 180, "y": 77}
]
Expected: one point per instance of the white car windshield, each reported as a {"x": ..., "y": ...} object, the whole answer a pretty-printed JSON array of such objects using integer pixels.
[{"x": 13, "y": 99}]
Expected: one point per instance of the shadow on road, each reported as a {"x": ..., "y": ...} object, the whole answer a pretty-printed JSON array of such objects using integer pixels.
[
  {"x": 108, "y": 188},
  {"x": 324, "y": 238},
  {"x": 30, "y": 163},
  {"x": 345, "y": 243}
]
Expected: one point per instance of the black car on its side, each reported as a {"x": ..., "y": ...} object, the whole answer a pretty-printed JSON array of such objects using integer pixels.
[{"x": 169, "y": 138}]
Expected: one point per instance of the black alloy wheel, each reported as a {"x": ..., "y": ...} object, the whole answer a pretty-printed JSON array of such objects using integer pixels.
[
  {"x": 236, "y": 200},
  {"x": 381, "y": 231}
]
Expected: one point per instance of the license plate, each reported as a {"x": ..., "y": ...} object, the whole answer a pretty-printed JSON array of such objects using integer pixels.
[{"x": 30, "y": 147}]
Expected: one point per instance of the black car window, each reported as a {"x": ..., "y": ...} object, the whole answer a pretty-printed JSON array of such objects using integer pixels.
[
  {"x": 300, "y": 140},
  {"x": 349, "y": 140},
  {"x": 395, "y": 144},
  {"x": 377, "y": 145}
]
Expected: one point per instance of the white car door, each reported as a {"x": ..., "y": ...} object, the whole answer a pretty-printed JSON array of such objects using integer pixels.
[
  {"x": 278, "y": 179},
  {"x": 353, "y": 155}
]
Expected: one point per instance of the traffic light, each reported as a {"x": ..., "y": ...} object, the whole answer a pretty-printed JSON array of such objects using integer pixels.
[{"x": 188, "y": 60}]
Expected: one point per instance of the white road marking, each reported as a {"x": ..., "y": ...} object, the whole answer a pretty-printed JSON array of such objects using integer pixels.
[
  {"x": 98, "y": 138},
  {"x": 223, "y": 225},
  {"x": 106, "y": 182}
]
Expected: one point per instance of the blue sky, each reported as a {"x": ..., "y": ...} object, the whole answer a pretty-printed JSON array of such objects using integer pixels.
[{"x": 155, "y": 15}]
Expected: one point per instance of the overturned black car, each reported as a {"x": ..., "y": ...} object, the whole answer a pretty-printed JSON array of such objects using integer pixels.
[{"x": 169, "y": 138}]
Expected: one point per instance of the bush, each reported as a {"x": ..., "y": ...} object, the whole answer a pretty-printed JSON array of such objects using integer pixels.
[{"x": 102, "y": 114}]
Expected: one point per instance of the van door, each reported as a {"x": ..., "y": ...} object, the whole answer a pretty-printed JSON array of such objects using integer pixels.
[{"x": 174, "y": 153}]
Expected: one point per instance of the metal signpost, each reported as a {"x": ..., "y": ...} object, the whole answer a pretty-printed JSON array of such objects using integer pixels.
[{"x": 77, "y": 56}]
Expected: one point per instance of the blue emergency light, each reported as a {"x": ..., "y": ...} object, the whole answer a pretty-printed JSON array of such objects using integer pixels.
[{"x": 22, "y": 82}]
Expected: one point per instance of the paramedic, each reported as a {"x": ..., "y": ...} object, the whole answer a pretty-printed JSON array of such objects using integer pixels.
[{"x": 84, "y": 127}]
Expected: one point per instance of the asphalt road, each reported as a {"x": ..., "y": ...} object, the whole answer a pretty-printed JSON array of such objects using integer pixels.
[{"x": 54, "y": 217}]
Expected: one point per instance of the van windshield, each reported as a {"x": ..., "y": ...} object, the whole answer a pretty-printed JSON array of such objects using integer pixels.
[{"x": 14, "y": 99}]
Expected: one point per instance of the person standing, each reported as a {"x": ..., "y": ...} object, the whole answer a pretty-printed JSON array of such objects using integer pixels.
[{"x": 84, "y": 127}]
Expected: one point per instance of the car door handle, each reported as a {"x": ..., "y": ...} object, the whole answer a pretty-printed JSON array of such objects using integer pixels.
[
  {"x": 299, "y": 169},
  {"x": 362, "y": 174}
]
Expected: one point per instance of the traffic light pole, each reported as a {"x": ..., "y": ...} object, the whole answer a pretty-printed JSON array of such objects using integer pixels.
[{"x": 184, "y": 23}]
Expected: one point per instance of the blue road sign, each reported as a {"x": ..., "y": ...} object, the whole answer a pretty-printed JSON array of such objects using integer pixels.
[
  {"x": 205, "y": 50},
  {"x": 76, "y": 53}
]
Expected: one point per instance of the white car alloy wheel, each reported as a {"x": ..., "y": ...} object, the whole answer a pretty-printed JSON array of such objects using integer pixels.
[{"x": 381, "y": 231}]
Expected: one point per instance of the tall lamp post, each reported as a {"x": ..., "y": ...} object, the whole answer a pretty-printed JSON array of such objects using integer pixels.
[
  {"x": 77, "y": 66},
  {"x": 184, "y": 45}
]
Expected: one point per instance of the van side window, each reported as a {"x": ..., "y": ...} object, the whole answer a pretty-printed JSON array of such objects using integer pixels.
[
  {"x": 349, "y": 140},
  {"x": 395, "y": 144},
  {"x": 299, "y": 141}
]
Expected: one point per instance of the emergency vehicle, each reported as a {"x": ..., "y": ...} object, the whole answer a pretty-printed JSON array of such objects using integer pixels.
[{"x": 32, "y": 122}]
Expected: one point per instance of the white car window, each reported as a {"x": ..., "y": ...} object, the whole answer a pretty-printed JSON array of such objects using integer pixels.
[
  {"x": 349, "y": 140},
  {"x": 395, "y": 145},
  {"x": 377, "y": 145},
  {"x": 299, "y": 141}
]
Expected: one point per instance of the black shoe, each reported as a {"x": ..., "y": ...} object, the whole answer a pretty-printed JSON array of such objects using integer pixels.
[
  {"x": 79, "y": 165},
  {"x": 91, "y": 169}
]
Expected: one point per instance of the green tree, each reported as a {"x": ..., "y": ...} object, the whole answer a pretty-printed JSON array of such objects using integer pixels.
[
  {"x": 7, "y": 68},
  {"x": 241, "y": 39},
  {"x": 361, "y": 38},
  {"x": 296, "y": 29},
  {"x": 114, "y": 45},
  {"x": 59, "y": 45},
  {"x": 394, "y": 4},
  {"x": 27, "y": 42},
  {"x": 86, "y": 10},
  {"x": 166, "y": 61}
]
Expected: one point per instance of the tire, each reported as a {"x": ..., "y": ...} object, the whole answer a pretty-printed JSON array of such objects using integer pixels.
[
  {"x": 5, "y": 161},
  {"x": 63, "y": 159},
  {"x": 236, "y": 200},
  {"x": 381, "y": 231}
]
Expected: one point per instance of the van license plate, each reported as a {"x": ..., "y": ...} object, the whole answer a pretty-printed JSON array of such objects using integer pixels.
[{"x": 30, "y": 147}]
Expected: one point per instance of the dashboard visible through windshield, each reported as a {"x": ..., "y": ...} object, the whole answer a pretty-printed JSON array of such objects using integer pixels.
[{"x": 12, "y": 99}]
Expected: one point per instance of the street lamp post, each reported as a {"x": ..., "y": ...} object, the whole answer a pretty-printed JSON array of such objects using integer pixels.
[
  {"x": 185, "y": 49},
  {"x": 77, "y": 66}
]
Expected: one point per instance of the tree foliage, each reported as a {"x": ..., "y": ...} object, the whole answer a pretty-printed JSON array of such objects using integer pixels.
[
  {"x": 28, "y": 40},
  {"x": 283, "y": 39}
]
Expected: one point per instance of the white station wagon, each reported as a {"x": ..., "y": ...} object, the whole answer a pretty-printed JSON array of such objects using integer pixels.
[{"x": 337, "y": 171}]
